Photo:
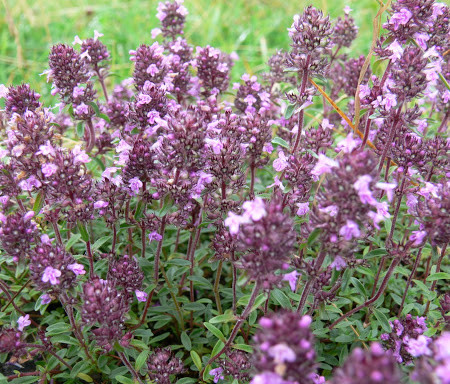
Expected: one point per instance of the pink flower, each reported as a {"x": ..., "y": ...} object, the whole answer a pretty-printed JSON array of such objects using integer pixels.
[
  {"x": 417, "y": 237},
  {"x": 418, "y": 347},
  {"x": 429, "y": 189},
  {"x": 292, "y": 279},
  {"x": 254, "y": 209},
  {"x": 364, "y": 90},
  {"x": 324, "y": 165},
  {"x": 154, "y": 236},
  {"x": 389, "y": 101},
  {"x": 30, "y": 183},
  {"x": 217, "y": 373},
  {"x": 3, "y": 91},
  {"x": 281, "y": 353},
  {"x": 152, "y": 70},
  {"x": 362, "y": 187},
  {"x": 108, "y": 171},
  {"x": 326, "y": 124},
  {"x": 421, "y": 40},
  {"x": 400, "y": 18},
  {"x": 141, "y": 295},
  {"x": 348, "y": 144},
  {"x": 250, "y": 100},
  {"x": 268, "y": 378},
  {"x": 350, "y": 230},
  {"x": 303, "y": 209},
  {"x": 276, "y": 183},
  {"x": 215, "y": 144},
  {"x": 76, "y": 268},
  {"x": 388, "y": 187},
  {"x": 45, "y": 299},
  {"x": 49, "y": 169},
  {"x": 23, "y": 321},
  {"x": 51, "y": 275},
  {"x": 80, "y": 156},
  {"x": 77, "y": 91},
  {"x": 233, "y": 222},
  {"x": 143, "y": 99},
  {"x": 46, "y": 149},
  {"x": 135, "y": 185},
  {"x": 100, "y": 204},
  {"x": 77, "y": 40},
  {"x": 338, "y": 263},
  {"x": 331, "y": 210},
  {"x": 281, "y": 163},
  {"x": 81, "y": 109},
  {"x": 397, "y": 51},
  {"x": 97, "y": 34}
]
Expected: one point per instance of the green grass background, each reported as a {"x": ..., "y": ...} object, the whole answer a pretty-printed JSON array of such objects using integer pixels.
[{"x": 252, "y": 28}]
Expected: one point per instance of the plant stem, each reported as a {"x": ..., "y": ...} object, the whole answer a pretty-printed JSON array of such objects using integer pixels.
[
  {"x": 127, "y": 363},
  {"x": 91, "y": 133},
  {"x": 301, "y": 112},
  {"x": 367, "y": 129},
  {"x": 159, "y": 248},
  {"x": 411, "y": 276},
  {"x": 216, "y": 287},
  {"x": 390, "y": 137},
  {"x": 147, "y": 306},
  {"x": 237, "y": 326},
  {"x": 397, "y": 208},
  {"x": 91, "y": 260},
  {"x": 374, "y": 298},
  {"x": 252, "y": 181},
  {"x": 41, "y": 347},
  {"x": 438, "y": 268},
  {"x": 317, "y": 265}
]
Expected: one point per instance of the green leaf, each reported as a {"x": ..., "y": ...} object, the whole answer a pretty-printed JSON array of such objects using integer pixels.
[
  {"x": 358, "y": 285},
  {"x": 95, "y": 107},
  {"x": 139, "y": 210},
  {"x": 65, "y": 339},
  {"x": 200, "y": 280},
  {"x": 39, "y": 202},
  {"x": 281, "y": 298},
  {"x": 186, "y": 341},
  {"x": 289, "y": 111},
  {"x": 225, "y": 318},
  {"x": 124, "y": 380},
  {"x": 80, "y": 129},
  {"x": 73, "y": 239},
  {"x": 382, "y": 320},
  {"x": 243, "y": 347},
  {"x": 83, "y": 231},
  {"x": 196, "y": 359},
  {"x": 345, "y": 338},
  {"x": 280, "y": 141},
  {"x": 99, "y": 162},
  {"x": 25, "y": 380},
  {"x": 376, "y": 253},
  {"x": 57, "y": 328},
  {"x": 259, "y": 301},
  {"x": 215, "y": 331},
  {"x": 187, "y": 380},
  {"x": 217, "y": 348},
  {"x": 85, "y": 377},
  {"x": 439, "y": 276},
  {"x": 141, "y": 359},
  {"x": 98, "y": 244}
]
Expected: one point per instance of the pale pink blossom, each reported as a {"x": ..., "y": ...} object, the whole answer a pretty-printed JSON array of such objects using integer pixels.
[
  {"x": 303, "y": 208},
  {"x": 76, "y": 268},
  {"x": 397, "y": 51},
  {"x": 338, "y": 263},
  {"x": 389, "y": 188},
  {"x": 233, "y": 222},
  {"x": 292, "y": 279},
  {"x": 350, "y": 230},
  {"x": 348, "y": 144},
  {"x": 46, "y": 149},
  {"x": 97, "y": 34},
  {"x": 276, "y": 183},
  {"x": 324, "y": 165},
  {"x": 49, "y": 169},
  {"x": 281, "y": 163},
  {"x": 154, "y": 236},
  {"x": 22, "y": 322},
  {"x": 30, "y": 183},
  {"x": 141, "y": 295},
  {"x": 135, "y": 185},
  {"x": 281, "y": 353},
  {"x": 108, "y": 171},
  {"x": 400, "y": 18},
  {"x": 331, "y": 210},
  {"x": 51, "y": 275},
  {"x": 417, "y": 237},
  {"x": 215, "y": 144},
  {"x": 255, "y": 209},
  {"x": 45, "y": 299}
]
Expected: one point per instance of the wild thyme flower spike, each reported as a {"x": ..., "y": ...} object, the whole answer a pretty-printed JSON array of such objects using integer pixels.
[
  {"x": 311, "y": 35},
  {"x": 18, "y": 233},
  {"x": 21, "y": 99},
  {"x": 285, "y": 350},
  {"x": 371, "y": 366},
  {"x": 172, "y": 16}
]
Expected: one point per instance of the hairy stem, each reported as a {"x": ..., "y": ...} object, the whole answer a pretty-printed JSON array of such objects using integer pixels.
[
  {"x": 317, "y": 265},
  {"x": 237, "y": 326},
  {"x": 41, "y": 347},
  {"x": 127, "y": 363},
  {"x": 411, "y": 276},
  {"x": 373, "y": 298},
  {"x": 216, "y": 287},
  {"x": 438, "y": 268},
  {"x": 159, "y": 249}
]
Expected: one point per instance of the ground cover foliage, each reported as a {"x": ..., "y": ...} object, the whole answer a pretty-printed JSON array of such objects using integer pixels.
[{"x": 176, "y": 227}]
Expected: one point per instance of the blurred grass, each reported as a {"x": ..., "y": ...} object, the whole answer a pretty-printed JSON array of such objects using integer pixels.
[{"x": 252, "y": 28}]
